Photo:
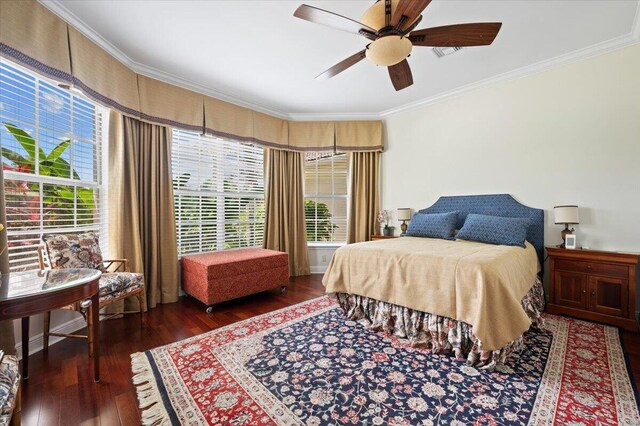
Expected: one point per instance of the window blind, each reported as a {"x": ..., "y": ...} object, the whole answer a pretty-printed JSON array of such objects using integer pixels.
[
  {"x": 218, "y": 191},
  {"x": 51, "y": 143},
  {"x": 325, "y": 200}
]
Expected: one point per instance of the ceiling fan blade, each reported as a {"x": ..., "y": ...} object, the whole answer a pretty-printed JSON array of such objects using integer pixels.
[
  {"x": 342, "y": 65},
  {"x": 400, "y": 74},
  {"x": 407, "y": 11},
  {"x": 333, "y": 20},
  {"x": 460, "y": 35}
]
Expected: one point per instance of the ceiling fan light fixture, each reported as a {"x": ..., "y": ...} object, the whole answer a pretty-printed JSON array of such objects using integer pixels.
[
  {"x": 389, "y": 50},
  {"x": 374, "y": 16}
]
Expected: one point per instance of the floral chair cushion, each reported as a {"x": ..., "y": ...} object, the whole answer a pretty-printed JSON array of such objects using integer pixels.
[
  {"x": 74, "y": 251},
  {"x": 119, "y": 282},
  {"x": 9, "y": 381}
]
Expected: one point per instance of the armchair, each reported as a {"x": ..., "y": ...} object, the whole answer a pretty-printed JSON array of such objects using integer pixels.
[{"x": 83, "y": 251}]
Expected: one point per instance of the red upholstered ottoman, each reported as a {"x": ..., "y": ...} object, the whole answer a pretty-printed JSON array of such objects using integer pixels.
[{"x": 224, "y": 275}]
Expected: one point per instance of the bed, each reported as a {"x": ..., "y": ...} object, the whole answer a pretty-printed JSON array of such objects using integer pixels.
[{"x": 467, "y": 298}]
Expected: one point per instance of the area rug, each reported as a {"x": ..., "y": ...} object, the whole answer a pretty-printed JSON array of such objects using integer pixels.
[{"x": 307, "y": 364}]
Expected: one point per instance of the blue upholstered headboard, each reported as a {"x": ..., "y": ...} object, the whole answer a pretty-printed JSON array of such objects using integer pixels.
[{"x": 495, "y": 205}]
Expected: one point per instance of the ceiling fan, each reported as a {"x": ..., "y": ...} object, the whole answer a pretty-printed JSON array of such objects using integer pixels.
[{"x": 390, "y": 25}]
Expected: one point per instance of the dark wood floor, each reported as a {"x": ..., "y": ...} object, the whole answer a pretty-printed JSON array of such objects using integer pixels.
[{"x": 61, "y": 390}]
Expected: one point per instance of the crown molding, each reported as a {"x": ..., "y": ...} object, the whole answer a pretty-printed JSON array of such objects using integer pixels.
[{"x": 633, "y": 37}]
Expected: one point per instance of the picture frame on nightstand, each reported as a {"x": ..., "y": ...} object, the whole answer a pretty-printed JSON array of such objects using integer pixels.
[{"x": 570, "y": 242}]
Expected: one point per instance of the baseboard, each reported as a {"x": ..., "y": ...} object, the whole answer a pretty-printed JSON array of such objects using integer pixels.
[
  {"x": 36, "y": 342},
  {"x": 318, "y": 269}
]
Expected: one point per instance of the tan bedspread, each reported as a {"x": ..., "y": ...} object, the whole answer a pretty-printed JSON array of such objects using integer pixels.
[{"x": 480, "y": 284}]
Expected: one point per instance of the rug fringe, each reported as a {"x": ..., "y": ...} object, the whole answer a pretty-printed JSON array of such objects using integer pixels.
[{"x": 153, "y": 412}]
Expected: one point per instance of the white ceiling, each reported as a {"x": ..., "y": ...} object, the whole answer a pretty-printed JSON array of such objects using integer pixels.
[{"x": 257, "y": 54}]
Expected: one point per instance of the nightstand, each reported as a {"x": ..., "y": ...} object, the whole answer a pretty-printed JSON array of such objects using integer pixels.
[
  {"x": 382, "y": 237},
  {"x": 593, "y": 285}
]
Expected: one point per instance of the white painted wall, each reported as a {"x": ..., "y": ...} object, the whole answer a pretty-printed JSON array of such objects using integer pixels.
[
  {"x": 319, "y": 257},
  {"x": 570, "y": 135}
]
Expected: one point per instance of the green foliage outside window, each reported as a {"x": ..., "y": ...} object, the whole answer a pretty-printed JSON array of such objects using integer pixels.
[
  {"x": 319, "y": 226},
  {"x": 23, "y": 198}
]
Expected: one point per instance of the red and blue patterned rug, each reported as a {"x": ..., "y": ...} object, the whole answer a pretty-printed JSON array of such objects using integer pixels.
[{"x": 307, "y": 364}]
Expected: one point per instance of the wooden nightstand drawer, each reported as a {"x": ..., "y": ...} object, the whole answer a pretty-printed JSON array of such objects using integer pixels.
[{"x": 605, "y": 269}]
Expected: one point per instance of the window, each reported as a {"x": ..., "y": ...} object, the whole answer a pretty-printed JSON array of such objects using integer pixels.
[
  {"x": 325, "y": 200},
  {"x": 218, "y": 189},
  {"x": 51, "y": 157}
]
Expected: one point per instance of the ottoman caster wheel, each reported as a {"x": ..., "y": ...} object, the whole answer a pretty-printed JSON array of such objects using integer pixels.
[
  {"x": 209, "y": 309},
  {"x": 283, "y": 289}
]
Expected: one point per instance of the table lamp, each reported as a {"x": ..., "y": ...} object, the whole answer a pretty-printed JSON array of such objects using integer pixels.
[
  {"x": 404, "y": 214},
  {"x": 566, "y": 215}
]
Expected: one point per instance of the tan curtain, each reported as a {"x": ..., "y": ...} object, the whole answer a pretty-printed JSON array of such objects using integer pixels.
[
  {"x": 7, "y": 339},
  {"x": 285, "y": 228},
  {"x": 142, "y": 222},
  {"x": 364, "y": 199}
]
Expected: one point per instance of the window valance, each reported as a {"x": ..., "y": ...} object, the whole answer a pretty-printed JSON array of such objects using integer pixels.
[
  {"x": 224, "y": 119},
  {"x": 101, "y": 76},
  {"x": 311, "y": 135},
  {"x": 170, "y": 105},
  {"x": 33, "y": 36},
  {"x": 359, "y": 136}
]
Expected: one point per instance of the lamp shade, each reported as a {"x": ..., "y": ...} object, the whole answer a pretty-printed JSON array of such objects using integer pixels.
[
  {"x": 404, "y": 214},
  {"x": 566, "y": 214}
]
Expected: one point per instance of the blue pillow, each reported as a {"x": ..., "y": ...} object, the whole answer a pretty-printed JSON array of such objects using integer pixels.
[
  {"x": 436, "y": 225},
  {"x": 506, "y": 231}
]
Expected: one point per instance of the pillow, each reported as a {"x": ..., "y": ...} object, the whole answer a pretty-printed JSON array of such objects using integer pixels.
[
  {"x": 506, "y": 231},
  {"x": 435, "y": 225},
  {"x": 74, "y": 251}
]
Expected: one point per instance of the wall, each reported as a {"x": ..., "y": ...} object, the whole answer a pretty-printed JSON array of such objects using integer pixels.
[
  {"x": 570, "y": 135},
  {"x": 319, "y": 257}
]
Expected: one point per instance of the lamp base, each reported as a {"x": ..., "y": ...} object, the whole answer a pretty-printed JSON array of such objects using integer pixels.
[
  {"x": 566, "y": 231},
  {"x": 403, "y": 227}
]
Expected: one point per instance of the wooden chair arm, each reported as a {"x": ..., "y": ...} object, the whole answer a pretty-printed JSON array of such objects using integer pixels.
[{"x": 121, "y": 265}]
